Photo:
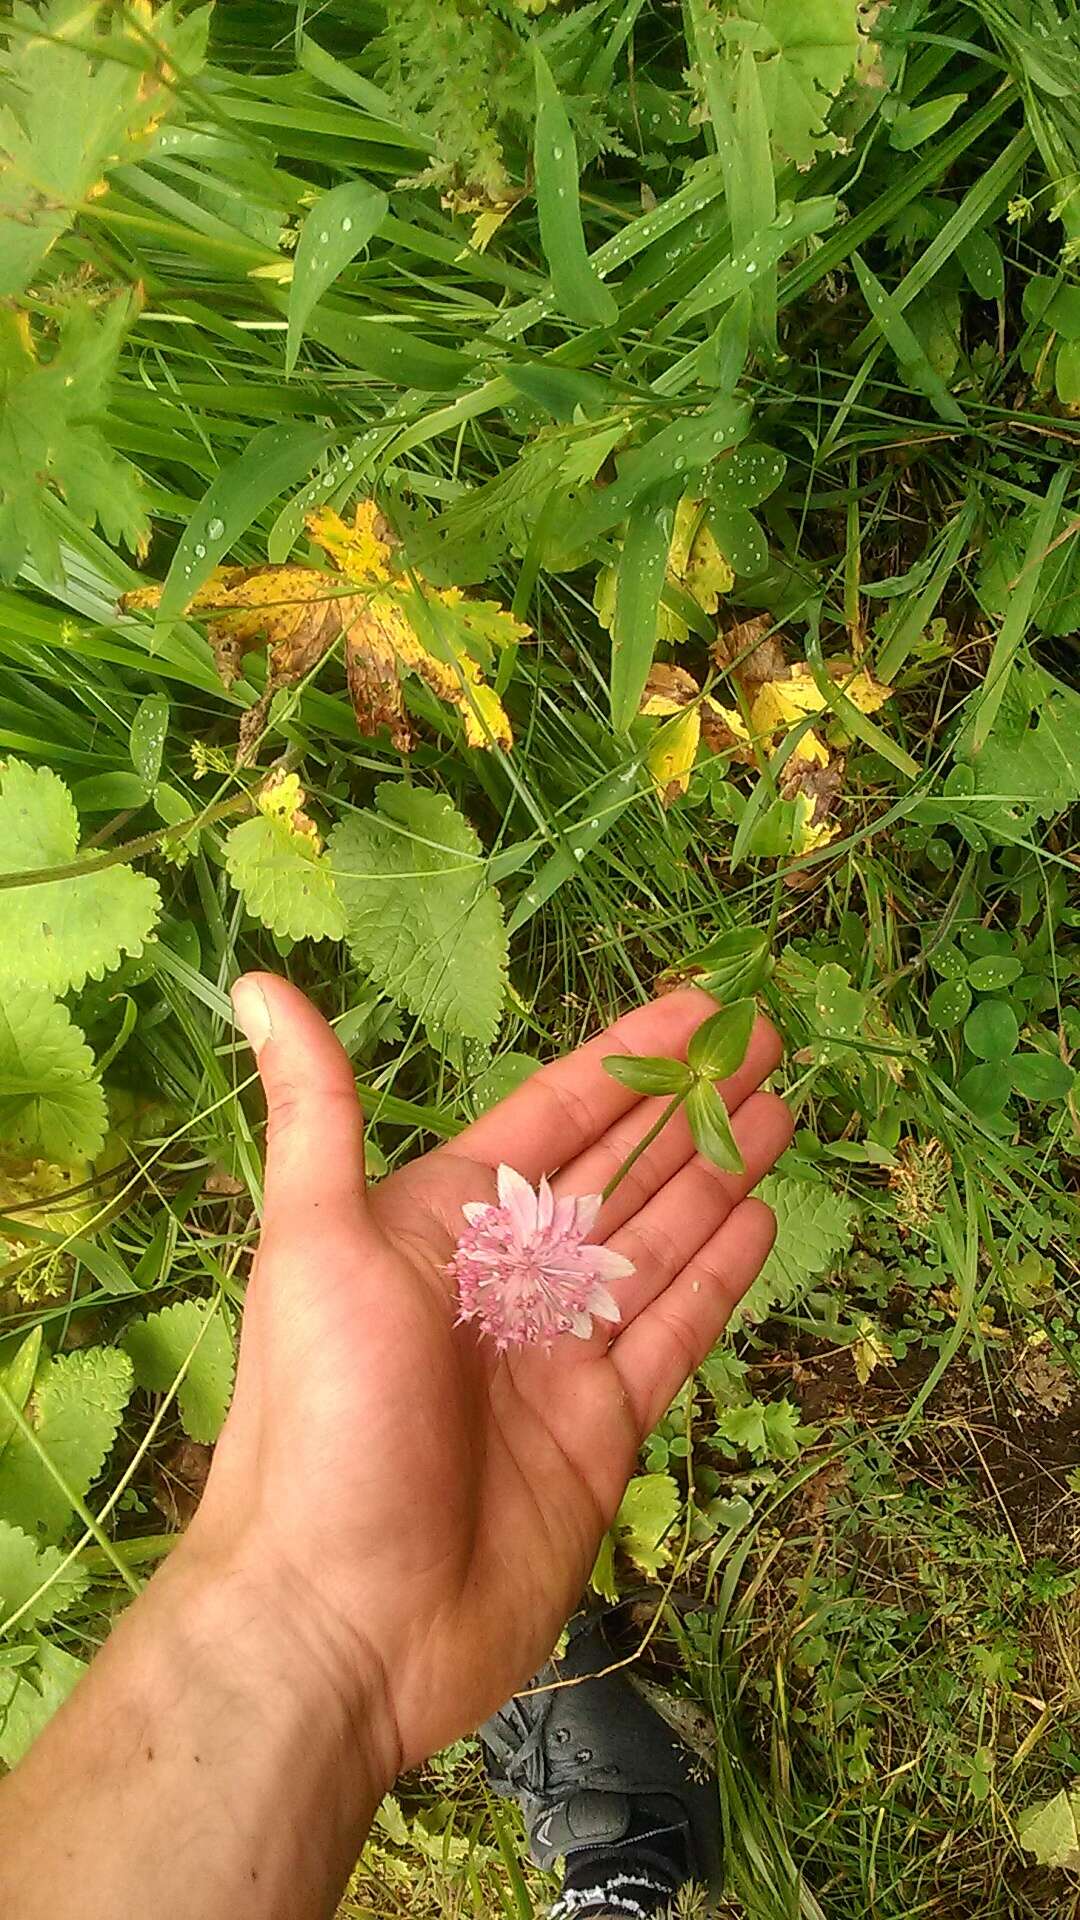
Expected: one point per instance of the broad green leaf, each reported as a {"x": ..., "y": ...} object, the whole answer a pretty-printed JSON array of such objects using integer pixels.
[
  {"x": 192, "y": 1332},
  {"x": 992, "y": 971},
  {"x": 1040, "y": 1076},
  {"x": 710, "y": 1125},
  {"x": 732, "y": 276},
  {"x": 986, "y": 1087},
  {"x": 646, "y": 1517},
  {"x": 421, "y": 919},
  {"x": 1051, "y": 1831},
  {"x": 1055, "y": 304},
  {"x": 681, "y": 449},
  {"x": 53, "y": 404},
  {"x": 718, "y": 1048},
  {"x": 389, "y": 351},
  {"x": 950, "y": 1003},
  {"x": 739, "y": 538},
  {"x": 814, "y": 1226},
  {"x": 286, "y": 883},
  {"x": 51, "y": 1107},
  {"x": 807, "y": 49},
  {"x": 648, "y": 1074},
  {"x": 109, "y": 793},
  {"x": 275, "y": 458},
  {"x": 148, "y": 730},
  {"x": 1067, "y": 373},
  {"x": 748, "y": 476},
  {"x": 34, "y": 1583},
  {"x": 980, "y": 256},
  {"x": 338, "y": 226},
  {"x": 502, "y": 1078},
  {"x": 731, "y": 966},
  {"x": 31, "y": 1693},
  {"x": 639, "y": 583},
  {"x": 59, "y": 933},
  {"x": 991, "y": 1030},
  {"x": 577, "y": 286},
  {"x": 913, "y": 125},
  {"x": 75, "y": 1412},
  {"x": 17, "y": 1382}
]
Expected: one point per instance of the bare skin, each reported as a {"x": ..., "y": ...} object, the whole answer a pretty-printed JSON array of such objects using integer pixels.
[{"x": 397, "y": 1522}]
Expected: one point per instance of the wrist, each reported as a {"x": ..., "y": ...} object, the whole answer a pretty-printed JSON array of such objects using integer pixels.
[{"x": 249, "y": 1611}]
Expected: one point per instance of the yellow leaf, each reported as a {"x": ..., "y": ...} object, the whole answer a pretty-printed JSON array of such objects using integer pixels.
[
  {"x": 812, "y": 749},
  {"x": 363, "y": 551},
  {"x": 862, "y": 690},
  {"x": 779, "y": 704},
  {"x": 870, "y": 1350},
  {"x": 684, "y": 526},
  {"x": 385, "y": 618},
  {"x": 695, "y": 561},
  {"x": 672, "y": 752},
  {"x": 279, "y": 271},
  {"x": 281, "y": 798},
  {"x": 604, "y": 597},
  {"x": 708, "y": 574},
  {"x": 732, "y": 720},
  {"x": 807, "y": 836}
]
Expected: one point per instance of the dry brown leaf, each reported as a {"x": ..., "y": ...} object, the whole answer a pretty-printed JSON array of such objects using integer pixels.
[{"x": 758, "y": 650}]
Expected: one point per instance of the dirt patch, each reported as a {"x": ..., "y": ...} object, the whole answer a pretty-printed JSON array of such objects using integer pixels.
[{"x": 994, "y": 1437}]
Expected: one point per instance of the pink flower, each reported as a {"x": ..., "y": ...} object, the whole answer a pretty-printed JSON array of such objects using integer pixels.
[{"x": 523, "y": 1270}]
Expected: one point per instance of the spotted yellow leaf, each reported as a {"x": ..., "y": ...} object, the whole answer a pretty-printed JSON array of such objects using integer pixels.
[{"x": 672, "y": 752}]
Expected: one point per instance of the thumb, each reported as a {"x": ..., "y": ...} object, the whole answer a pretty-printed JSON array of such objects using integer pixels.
[{"x": 315, "y": 1131}]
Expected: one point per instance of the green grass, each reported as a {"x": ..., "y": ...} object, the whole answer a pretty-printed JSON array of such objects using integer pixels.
[{"x": 889, "y": 1641}]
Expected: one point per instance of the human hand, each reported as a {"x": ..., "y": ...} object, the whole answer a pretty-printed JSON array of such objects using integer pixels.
[{"x": 423, "y": 1511}]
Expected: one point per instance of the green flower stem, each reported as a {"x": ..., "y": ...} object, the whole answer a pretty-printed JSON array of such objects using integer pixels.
[
  {"x": 646, "y": 1140},
  {"x": 146, "y": 843}
]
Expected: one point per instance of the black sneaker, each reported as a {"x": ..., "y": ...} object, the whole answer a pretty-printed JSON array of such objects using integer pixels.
[{"x": 603, "y": 1782}]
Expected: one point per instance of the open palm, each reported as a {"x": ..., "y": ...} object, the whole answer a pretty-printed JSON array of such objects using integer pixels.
[{"x": 435, "y": 1504}]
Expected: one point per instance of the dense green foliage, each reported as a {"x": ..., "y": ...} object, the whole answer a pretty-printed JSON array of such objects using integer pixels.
[{"x": 713, "y": 371}]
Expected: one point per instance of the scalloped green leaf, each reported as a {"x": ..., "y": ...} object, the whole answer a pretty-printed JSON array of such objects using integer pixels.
[
  {"x": 75, "y": 1412},
  {"x": 34, "y": 1582},
  {"x": 422, "y": 920},
  {"x": 192, "y": 1332},
  {"x": 284, "y": 883},
  {"x": 59, "y": 933},
  {"x": 50, "y": 1104}
]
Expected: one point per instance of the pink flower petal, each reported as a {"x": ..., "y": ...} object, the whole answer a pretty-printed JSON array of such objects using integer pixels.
[
  {"x": 516, "y": 1195},
  {"x": 523, "y": 1270},
  {"x": 545, "y": 1206},
  {"x": 586, "y": 1208},
  {"x": 608, "y": 1265},
  {"x": 476, "y": 1211},
  {"x": 602, "y": 1306}
]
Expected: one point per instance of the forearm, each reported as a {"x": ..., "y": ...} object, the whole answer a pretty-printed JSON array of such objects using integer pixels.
[{"x": 212, "y": 1765}]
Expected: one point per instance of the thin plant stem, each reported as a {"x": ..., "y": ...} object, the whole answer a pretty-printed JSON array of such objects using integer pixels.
[{"x": 646, "y": 1140}]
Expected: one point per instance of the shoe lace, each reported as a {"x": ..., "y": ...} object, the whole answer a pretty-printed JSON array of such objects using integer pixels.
[{"x": 522, "y": 1753}]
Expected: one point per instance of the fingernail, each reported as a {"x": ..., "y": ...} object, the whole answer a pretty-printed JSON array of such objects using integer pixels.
[{"x": 252, "y": 1014}]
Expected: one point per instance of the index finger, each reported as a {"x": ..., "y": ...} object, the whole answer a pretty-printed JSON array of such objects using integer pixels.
[{"x": 568, "y": 1105}]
